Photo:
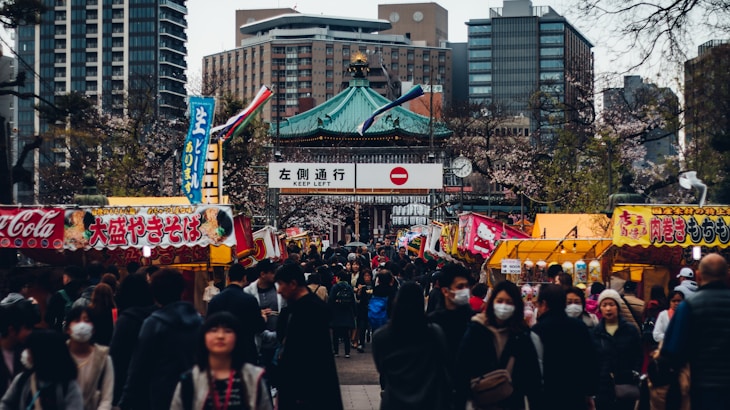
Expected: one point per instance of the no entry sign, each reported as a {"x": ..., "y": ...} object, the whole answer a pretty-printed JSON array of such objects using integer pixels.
[{"x": 399, "y": 176}]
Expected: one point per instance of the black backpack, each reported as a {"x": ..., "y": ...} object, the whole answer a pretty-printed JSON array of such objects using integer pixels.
[
  {"x": 647, "y": 331},
  {"x": 344, "y": 293}
]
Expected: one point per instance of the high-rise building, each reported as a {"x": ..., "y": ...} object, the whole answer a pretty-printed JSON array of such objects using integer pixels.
[
  {"x": 424, "y": 23},
  {"x": 108, "y": 50},
  {"x": 707, "y": 91},
  {"x": 646, "y": 103},
  {"x": 306, "y": 58},
  {"x": 521, "y": 55}
]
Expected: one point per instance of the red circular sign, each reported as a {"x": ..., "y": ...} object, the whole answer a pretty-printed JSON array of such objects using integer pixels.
[{"x": 398, "y": 176}]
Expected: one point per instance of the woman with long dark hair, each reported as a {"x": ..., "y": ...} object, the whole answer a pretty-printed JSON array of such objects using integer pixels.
[
  {"x": 222, "y": 378},
  {"x": 102, "y": 309},
  {"x": 411, "y": 356},
  {"x": 499, "y": 339},
  {"x": 49, "y": 382}
]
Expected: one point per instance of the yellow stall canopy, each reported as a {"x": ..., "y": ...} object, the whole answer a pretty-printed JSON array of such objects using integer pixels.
[
  {"x": 549, "y": 250},
  {"x": 571, "y": 225}
]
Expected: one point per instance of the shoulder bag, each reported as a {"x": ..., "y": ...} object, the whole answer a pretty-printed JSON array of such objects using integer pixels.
[{"x": 494, "y": 386}]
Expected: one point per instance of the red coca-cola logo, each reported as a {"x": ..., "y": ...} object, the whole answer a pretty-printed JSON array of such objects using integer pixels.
[{"x": 31, "y": 228}]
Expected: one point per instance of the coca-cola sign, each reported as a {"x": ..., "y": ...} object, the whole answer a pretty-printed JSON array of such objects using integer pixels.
[{"x": 31, "y": 228}]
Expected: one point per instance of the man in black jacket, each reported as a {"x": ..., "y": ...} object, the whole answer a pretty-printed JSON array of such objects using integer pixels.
[
  {"x": 242, "y": 305},
  {"x": 17, "y": 319},
  {"x": 307, "y": 372},
  {"x": 167, "y": 345},
  {"x": 568, "y": 383},
  {"x": 699, "y": 334}
]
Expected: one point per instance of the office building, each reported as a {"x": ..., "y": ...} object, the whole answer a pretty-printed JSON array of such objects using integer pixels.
[
  {"x": 306, "y": 58},
  {"x": 108, "y": 50},
  {"x": 520, "y": 51},
  {"x": 707, "y": 93},
  {"x": 645, "y": 104}
]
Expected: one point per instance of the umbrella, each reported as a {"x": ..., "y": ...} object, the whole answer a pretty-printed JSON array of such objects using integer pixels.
[{"x": 355, "y": 244}]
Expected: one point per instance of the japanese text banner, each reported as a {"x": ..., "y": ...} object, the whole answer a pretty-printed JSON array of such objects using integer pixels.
[
  {"x": 195, "y": 148},
  {"x": 671, "y": 226},
  {"x": 31, "y": 228},
  {"x": 153, "y": 226}
]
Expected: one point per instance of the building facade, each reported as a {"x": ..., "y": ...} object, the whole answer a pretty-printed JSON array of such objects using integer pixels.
[
  {"x": 521, "y": 55},
  {"x": 306, "y": 57},
  {"x": 107, "y": 50},
  {"x": 424, "y": 23},
  {"x": 643, "y": 101},
  {"x": 707, "y": 91}
]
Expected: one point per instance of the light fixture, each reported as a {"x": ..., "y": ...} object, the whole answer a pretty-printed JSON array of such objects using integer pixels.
[
  {"x": 541, "y": 264},
  {"x": 146, "y": 251},
  {"x": 696, "y": 253},
  {"x": 575, "y": 247},
  {"x": 528, "y": 263},
  {"x": 562, "y": 249}
]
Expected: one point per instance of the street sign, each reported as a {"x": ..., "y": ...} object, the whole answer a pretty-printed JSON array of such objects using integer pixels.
[
  {"x": 399, "y": 176},
  {"x": 311, "y": 175}
]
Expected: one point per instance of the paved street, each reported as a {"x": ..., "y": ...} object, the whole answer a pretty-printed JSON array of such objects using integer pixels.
[{"x": 358, "y": 380}]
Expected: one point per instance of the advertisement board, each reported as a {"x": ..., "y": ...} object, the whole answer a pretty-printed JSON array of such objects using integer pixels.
[
  {"x": 311, "y": 175},
  {"x": 35, "y": 228}
]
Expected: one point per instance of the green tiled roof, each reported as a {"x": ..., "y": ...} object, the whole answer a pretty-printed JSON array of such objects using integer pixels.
[{"x": 340, "y": 116}]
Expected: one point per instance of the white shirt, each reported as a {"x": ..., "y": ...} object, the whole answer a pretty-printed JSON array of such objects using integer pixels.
[{"x": 661, "y": 325}]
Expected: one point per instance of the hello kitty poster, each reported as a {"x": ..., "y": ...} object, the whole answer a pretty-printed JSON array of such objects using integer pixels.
[{"x": 483, "y": 233}]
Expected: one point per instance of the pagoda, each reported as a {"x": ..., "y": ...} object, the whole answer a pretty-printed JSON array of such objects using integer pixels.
[{"x": 328, "y": 133}]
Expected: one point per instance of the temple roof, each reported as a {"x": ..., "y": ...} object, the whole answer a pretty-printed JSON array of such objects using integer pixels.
[{"x": 339, "y": 117}]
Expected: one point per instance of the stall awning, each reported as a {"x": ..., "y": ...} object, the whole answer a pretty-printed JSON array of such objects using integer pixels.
[
  {"x": 562, "y": 225},
  {"x": 671, "y": 225},
  {"x": 549, "y": 250}
]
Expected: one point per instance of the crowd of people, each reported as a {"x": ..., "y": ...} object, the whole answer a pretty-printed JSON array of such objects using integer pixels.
[{"x": 439, "y": 338}]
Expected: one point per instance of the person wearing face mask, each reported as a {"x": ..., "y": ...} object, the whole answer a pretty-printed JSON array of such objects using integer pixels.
[
  {"x": 456, "y": 313},
  {"x": 499, "y": 339},
  {"x": 95, "y": 368},
  {"x": 49, "y": 381},
  {"x": 575, "y": 307},
  {"x": 619, "y": 354},
  {"x": 568, "y": 385}
]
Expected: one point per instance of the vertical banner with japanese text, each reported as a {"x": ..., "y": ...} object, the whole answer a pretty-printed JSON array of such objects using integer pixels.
[{"x": 195, "y": 148}]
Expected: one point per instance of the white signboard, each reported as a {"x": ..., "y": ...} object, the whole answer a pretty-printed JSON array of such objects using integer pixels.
[
  {"x": 511, "y": 266},
  {"x": 311, "y": 175},
  {"x": 400, "y": 176}
]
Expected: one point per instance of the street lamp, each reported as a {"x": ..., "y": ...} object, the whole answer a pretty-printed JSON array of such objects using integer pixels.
[{"x": 689, "y": 180}]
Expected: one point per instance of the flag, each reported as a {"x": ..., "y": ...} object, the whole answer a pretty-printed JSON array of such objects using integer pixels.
[
  {"x": 235, "y": 125},
  {"x": 415, "y": 92},
  {"x": 195, "y": 147}
]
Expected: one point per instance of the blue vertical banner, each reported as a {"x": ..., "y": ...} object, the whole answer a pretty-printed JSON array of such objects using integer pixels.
[{"x": 195, "y": 148}]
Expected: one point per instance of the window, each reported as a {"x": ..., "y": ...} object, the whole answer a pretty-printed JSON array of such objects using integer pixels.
[
  {"x": 480, "y": 29},
  {"x": 345, "y": 52},
  {"x": 556, "y": 39},
  {"x": 551, "y": 63},
  {"x": 59, "y": 72},
  {"x": 330, "y": 51},
  {"x": 485, "y": 89},
  {"x": 549, "y": 52},
  {"x": 478, "y": 78},
  {"x": 91, "y": 71},
  {"x": 59, "y": 58},
  {"x": 552, "y": 27},
  {"x": 551, "y": 77},
  {"x": 91, "y": 57},
  {"x": 480, "y": 53},
  {"x": 480, "y": 65},
  {"x": 480, "y": 41}
]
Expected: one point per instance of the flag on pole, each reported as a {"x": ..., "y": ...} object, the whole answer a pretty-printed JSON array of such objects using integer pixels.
[
  {"x": 195, "y": 147},
  {"x": 415, "y": 92},
  {"x": 235, "y": 125}
]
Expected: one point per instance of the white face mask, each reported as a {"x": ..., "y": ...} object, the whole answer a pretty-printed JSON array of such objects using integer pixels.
[
  {"x": 461, "y": 296},
  {"x": 573, "y": 310},
  {"x": 82, "y": 331},
  {"x": 503, "y": 311},
  {"x": 26, "y": 360}
]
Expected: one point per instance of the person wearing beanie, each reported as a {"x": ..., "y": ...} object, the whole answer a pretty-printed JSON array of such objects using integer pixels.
[{"x": 618, "y": 345}]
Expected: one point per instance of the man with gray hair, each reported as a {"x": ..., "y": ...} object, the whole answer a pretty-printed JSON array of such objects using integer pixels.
[{"x": 699, "y": 334}]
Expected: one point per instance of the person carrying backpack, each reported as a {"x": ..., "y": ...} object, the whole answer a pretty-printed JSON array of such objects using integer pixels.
[
  {"x": 343, "y": 307},
  {"x": 61, "y": 302},
  {"x": 381, "y": 300}
]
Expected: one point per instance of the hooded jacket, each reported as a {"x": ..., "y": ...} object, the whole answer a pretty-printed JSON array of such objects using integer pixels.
[
  {"x": 166, "y": 348},
  {"x": 124, "y": 343}
]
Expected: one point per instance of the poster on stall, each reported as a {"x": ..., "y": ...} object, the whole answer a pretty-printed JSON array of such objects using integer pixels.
[
  {"x": 672, "y": 225},
  {"x": 266, "y": 245},
  {"x": 479, "y": 234},
  {"x": 153, "y": 226},
  {"x": 31, "y": 228}
]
